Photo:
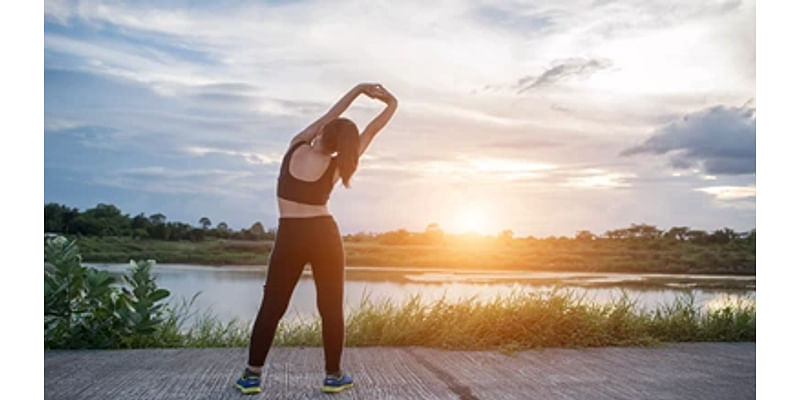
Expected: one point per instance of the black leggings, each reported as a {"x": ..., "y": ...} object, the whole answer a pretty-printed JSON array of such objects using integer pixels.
[{"x": 314, "y": 240}]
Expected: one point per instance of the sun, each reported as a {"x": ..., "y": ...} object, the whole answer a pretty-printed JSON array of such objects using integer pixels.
[{"x": 470, "y": 219}]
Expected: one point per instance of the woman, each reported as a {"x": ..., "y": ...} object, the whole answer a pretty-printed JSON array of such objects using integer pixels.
[{"x": 307, "y": 232}]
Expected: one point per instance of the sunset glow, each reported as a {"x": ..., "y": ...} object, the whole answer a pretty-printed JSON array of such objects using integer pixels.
[{"x": 469, "y": 218}]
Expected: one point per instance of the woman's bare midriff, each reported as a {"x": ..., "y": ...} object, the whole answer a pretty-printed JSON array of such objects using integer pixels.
[{"x": 293, "y": 209}]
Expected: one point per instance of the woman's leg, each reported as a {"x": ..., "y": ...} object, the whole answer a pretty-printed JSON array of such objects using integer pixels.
[
  {"x": 327, "y": 263},
  {"x": 286, "y": 263}
]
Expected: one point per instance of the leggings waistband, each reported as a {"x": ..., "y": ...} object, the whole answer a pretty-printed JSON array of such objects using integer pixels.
[{"x": 327, "y": 216}]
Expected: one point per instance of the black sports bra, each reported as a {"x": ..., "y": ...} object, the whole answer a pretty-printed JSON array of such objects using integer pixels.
[{"x": 291, "y": 188}]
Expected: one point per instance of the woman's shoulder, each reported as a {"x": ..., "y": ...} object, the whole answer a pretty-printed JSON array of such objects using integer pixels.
[{"x": 296, "y": 142}]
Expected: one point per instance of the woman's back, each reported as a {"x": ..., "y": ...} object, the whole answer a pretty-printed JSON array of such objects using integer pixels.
[{"x": 305, "y": 181}]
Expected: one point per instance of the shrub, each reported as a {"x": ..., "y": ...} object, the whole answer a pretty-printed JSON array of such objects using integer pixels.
[{"x": 87, "y": 308}]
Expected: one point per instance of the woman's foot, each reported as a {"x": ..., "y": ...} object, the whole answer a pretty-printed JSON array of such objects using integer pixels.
[
  {"x": 335, "y": 383},
  {"x": 249, "y": 382}
]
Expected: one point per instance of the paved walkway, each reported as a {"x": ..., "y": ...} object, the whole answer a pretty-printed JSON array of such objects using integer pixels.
[{"x": 675, "y": 371}]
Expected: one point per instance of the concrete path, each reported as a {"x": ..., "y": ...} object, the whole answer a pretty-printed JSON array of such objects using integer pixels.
[{"x": 675, "y": 371}]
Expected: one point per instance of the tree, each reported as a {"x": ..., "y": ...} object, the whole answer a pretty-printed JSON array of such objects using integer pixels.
[
  {"x": 677, "y": 233},
  {"x": 724, "y": 235},
  {"x": 205, "y": 222},
  {"x": 103, "y": 220},
  {"x": 140, "y": 222},
  {"x": 222, "y": 230},
  {"x": 585, "y": 236},
  {"x": 505, "y": 235},
  {"x": 257, "y": 229},
  {"x": 643, "y": 231},
  {"x": 750, "y": 237},
  {"x": 433, "y": 234},
  {"x": 697, "y": 236},
  {"x": 616, "y": 234},
  {"x": 157, "y": 219},
  {"x": 58, "y": 218}
]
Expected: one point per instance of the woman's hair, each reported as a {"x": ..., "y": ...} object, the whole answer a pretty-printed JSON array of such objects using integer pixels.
[{"x": 341, "y": 136}]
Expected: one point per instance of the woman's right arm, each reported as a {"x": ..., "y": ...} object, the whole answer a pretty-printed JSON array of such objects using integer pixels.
[{"x": 381, "y": 120}]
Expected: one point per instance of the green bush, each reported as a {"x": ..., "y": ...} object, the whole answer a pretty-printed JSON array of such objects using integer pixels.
[{"x": 87, "y": 308}]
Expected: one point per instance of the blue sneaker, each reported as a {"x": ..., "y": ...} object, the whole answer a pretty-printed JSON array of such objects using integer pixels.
[
  {"x": 333, "y": 384},
  {"x": 249, "y": 384}
]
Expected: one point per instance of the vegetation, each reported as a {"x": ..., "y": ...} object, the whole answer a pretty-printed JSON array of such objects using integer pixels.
[
  {"x": 108, "y": 220},
  {"x": 606, "y": 255},
  {"x": 87, "y": 308},
  {"x": 84, "y": 307},
  {"x": 106, "y": 235}
]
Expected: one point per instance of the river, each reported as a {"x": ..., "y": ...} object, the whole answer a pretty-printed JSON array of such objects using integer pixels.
[{"x": 234, "y": 292}]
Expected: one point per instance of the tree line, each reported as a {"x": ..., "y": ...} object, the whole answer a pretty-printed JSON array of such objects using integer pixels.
[
  {"x": 433, "y": 234},
  {"x": 108, "y": 220}
]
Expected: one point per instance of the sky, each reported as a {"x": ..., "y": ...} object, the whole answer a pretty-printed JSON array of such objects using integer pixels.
[{"x": 544, "y": 118}]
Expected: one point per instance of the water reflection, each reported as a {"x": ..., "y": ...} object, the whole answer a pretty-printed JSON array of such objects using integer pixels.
[{"x": 235, "y": 291}]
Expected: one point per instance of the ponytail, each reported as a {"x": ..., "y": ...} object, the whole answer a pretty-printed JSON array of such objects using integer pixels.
[{"x": 341, "y": 136}]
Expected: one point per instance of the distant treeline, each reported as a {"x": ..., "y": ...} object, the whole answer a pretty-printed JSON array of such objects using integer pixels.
[{"x": 108, "y": 220}]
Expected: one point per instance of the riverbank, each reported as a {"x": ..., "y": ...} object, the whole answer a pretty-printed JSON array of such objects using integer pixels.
[
  {"x": 673, "y": 371},
  {"x": 112, "y": 317},
  {"x": 661, "y": 256}
]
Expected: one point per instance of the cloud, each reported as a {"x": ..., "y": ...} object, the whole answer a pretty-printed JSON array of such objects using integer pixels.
[
  {"x": 563, "y": 69},
  {"x": 721, "y": 140},
  {"x": 598, "y": 179},
  {"x": 730, "y": 192},
  {"x": 249, "y": 157}
]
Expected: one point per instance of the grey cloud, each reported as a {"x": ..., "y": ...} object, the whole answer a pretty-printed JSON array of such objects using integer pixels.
[
  {"x": 529, "y": 21},
  {"x": 562, "y": 69},
  {"x": 721, "y": 140}
]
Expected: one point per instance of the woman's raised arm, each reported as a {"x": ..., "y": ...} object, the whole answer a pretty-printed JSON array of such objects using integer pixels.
[
  {"x": 315, "y": 129},
  {"x": 372, "y": 129}
]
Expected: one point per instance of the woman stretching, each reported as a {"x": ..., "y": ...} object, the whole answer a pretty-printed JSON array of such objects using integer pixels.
[{"x": 307, "y": 232}]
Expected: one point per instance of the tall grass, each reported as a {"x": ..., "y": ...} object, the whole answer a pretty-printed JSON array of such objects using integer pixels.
[{"x": 506, "y": 323}]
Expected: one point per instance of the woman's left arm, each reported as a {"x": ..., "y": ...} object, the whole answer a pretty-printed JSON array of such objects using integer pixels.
[{"x": 379, "y": 121}]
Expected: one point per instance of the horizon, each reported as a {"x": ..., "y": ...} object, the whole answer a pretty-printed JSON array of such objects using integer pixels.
[
  {"x": 515, "y": 235},
  {"x": 541, "y": 119}
]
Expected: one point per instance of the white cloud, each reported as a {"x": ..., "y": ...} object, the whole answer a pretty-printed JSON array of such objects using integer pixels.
[
  {"x": 599, "y": 179},
  {"x": 249, "y": 157},
  {"x": 729, "y": 192}
]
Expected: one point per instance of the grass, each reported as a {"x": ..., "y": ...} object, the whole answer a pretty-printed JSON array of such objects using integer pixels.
[
  {"x": 521, "y": 254},
  {"x": 509, "y": 323}
]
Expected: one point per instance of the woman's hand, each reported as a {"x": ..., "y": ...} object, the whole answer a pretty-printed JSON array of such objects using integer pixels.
[
  {"x": 377, "y": 91},
  {"x": 366, "y": 88},
  {"x": 369, "y": 89}
]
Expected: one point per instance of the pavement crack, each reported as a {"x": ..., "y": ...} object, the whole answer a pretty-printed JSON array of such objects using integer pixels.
[{"x": 462, "y": 391}]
